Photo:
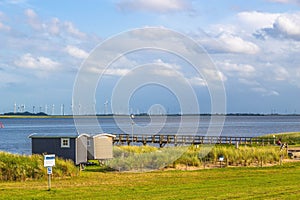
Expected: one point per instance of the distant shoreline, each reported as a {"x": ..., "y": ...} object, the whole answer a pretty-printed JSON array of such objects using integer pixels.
[{"x": 43, "y": 115}]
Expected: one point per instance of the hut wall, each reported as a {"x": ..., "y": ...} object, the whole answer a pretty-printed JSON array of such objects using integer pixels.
[
  {"x": 81, "y": 150},
  {"x": 103, "y": 147},
  {"x": 53, "y": 146}
]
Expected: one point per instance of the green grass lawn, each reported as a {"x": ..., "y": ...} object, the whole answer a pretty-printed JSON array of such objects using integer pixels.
[{"x": 278, "y": 182}]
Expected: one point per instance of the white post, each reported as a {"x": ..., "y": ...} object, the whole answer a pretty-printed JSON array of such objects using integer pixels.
[
  {"x": 132, "y": 123},
  {"x": 49, "y": 182},
  {"x": 49, "y": 162},
  {"x": 49, "y": 172}
]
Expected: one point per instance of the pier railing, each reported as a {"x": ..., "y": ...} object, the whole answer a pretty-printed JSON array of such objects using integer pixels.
[{"x": 162, "y": 140}]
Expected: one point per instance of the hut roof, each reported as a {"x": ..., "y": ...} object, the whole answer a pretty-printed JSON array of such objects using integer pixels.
[
  {"x": 104, "y": 135},
  {"x": 56, "y": 135}
]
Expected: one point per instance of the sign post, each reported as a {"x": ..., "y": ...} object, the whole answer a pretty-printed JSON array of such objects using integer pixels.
[
  {"x": 49, "y": 172},
  {"x": 49, "y": 162},
  {"x": 221, "y": 159}
]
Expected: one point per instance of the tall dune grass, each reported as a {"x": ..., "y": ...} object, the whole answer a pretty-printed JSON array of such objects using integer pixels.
[
  {"x": 128, "y": 158},
  {"x": 243, "y": 156},
  {"x": 143, "y": 158},
  {"x": 22, "y": 167}
]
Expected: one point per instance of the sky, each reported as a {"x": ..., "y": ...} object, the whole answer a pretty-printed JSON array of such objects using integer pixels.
[{"x": 254, "y": 45}]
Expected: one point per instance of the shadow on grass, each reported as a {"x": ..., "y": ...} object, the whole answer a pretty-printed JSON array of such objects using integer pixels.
[{"x": 98, "y": 168}]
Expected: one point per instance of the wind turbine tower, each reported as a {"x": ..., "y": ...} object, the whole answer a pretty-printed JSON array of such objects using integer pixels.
[
  {"x": 62, "y": 109},
  {"x": 105, "y": 107},
  {"x": 15, "y": 107},
  {"x": 52, "y": 113}
]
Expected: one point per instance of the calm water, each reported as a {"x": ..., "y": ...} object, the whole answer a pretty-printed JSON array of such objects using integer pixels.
[{"x": 14, "y": 137}]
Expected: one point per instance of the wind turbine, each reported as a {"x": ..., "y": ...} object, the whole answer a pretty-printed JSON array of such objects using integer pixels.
[
  {"x": 105, "y": 107},
  {"x": 15, "y": 107}
]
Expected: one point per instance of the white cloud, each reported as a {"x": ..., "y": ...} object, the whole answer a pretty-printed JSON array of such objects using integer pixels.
[
  {"x": 286, "y": 1},
  {"x": 289, "y": 25},
  {"x": 226, "y": 39},
  {"x": 241, "y": 70},
  {"x": 248, "y": 82},
  {"x": 76, "y": 52},
  {"x": 280, "y": 74},
  {"x": 15, "y": 1},
  {"x": 156, "y": 68},
  {"x": 73, "y": 30},
  {"x": 33, "y": 19},
  {"x": 197, "y": 81},
  {"x": 173, "y": 66},
  {"x": 157, "y": 6},
  {"x": 4, "y": 27},
  {"x": 30, "y": 13},
  {"x": 265, "y": 92},
  {"x": 285, "y": 26},
  {"x": 211, "y": 74},
  {"x": 166, "y": 72},
  {"x": 258, "y": 88},
  {"x": 116, "y": 72},
  {"x": 256, "y": 20},
  {"x": 109, "y": 71},
  {"x": 54, "y": 26},
  {"x": 37, "y": 63},
  {"x": 236, "y": 44}
]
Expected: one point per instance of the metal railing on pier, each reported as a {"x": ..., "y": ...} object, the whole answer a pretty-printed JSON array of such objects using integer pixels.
[{"x": 162, "y": 140}]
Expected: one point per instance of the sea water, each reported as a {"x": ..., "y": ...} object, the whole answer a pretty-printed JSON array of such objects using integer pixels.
[{"x": 14, "y": 135}]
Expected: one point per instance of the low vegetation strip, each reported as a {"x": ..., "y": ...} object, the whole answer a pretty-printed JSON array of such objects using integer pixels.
[{"x": 291, "y": 138}]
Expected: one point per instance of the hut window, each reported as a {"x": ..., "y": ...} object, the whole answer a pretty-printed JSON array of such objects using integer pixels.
[
  {"x": 88, "y": 143},
  {"x": 65, "y": 142}
]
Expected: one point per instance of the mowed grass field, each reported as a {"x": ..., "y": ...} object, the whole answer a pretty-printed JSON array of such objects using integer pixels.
[{"x": 277, "y": 182}]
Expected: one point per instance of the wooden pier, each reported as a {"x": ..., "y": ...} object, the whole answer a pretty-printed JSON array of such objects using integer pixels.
[{"x": 176, "y": 140}]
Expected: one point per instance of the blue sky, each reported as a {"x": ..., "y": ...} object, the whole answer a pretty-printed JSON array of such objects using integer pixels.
[{"x": 255, "y": 46}]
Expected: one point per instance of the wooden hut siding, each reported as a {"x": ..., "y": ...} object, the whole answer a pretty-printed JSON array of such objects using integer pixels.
[{"x": 53, "y": 146}]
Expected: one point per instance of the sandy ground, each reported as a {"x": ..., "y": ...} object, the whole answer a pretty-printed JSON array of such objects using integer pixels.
[{"x": 217, "y": 165}]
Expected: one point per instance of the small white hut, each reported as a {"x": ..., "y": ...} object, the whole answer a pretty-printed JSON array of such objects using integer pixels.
[{"x": 100, "y": 146}]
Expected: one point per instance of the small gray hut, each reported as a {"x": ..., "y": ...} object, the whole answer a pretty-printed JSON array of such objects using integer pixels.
[
  {"x": 100, "y": 146},
  {"x": 68, "y": 146}
]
